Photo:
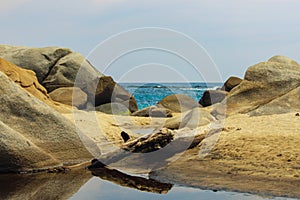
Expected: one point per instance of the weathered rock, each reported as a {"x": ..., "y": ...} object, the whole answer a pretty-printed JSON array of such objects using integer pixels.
[
  {"x": 153, "y": 111},
  {"x": 283, "y": 60},
  {"x": 72, "y": 96},
  {"x": 231, "y": 83},
  {"x": 113, "y": 108},
  {"x": 219, "y": 111},
  {"x": 25, "y": 78},
  {"x": 58, "y": 67},
  {"x": 17, "y": 153},
  {"x": 101, "y": 90},
  {"x": 190, "y": 119},
  {"x": 39, "y": 60},
  {"x": 130, "y": 103},
  {"x": 289, "y": 102},
  {"x": 211, "y": 97},
  {"x": 270, "y": 72},
  {"x": 28, "y": 81},
  {"x": 72, "y": 69},
  {"x": 178, "y": 103},
  {"x": 266, "y": 85},
  {"x": 33, "y": 135},
  {"x": 105, "y": 90}
]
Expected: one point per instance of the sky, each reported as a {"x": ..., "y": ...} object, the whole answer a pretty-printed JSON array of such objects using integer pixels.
[{"x": 231, "y": 34}]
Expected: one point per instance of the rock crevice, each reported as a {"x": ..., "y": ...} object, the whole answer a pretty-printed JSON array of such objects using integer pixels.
[{"x": 52, "y": 65}]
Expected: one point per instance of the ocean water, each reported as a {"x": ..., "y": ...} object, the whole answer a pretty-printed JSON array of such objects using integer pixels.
[{"x": 148, "y": 94}]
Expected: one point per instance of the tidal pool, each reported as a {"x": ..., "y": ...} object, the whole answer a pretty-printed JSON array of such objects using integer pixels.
[
  {"x": 96, "y": 188},
  {"x": 104, "y": 184}
]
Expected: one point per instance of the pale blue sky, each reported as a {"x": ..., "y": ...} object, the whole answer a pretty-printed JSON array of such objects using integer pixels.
[{"x": 235, "y": 33}]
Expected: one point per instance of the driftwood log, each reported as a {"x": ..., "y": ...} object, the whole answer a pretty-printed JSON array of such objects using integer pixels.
[{"x": 148, "y": 151}]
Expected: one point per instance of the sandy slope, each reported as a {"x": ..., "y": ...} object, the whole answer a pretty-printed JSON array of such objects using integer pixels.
[
  {"x": 253, "y": 154},
  {"x": 105, "y": 129}
]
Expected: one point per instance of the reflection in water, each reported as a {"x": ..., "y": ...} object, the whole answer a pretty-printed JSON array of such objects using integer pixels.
[
  {"x": 42, "y": 186},
  {"x": 79, "y": 184},
  {"x": 135, "y": 182},
  {"x": 97, "y": 189}
]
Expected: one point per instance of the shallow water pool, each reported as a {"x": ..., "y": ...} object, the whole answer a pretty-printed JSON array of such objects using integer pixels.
[
  {"x": 106, "y": 184},
  {"x": 96, "y": 188}
]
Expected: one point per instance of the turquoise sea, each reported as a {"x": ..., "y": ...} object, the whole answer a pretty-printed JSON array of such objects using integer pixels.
[{"x": 148, "y": 94}]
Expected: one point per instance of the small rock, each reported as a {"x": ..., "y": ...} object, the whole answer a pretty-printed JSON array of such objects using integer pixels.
[
  {"x": 125, "y": 136},
  {"x": 113, "y": 108},
  {"x": 153, "y": 111},
  {"x": 72, "y": 96},
  {"x": 211, "y": 97},
  {"x": 104, "y": 89},
  {"x": 178, "y": 103},
  {"x": 192, "y": 119},
  {"x": 231, "y": 83}
]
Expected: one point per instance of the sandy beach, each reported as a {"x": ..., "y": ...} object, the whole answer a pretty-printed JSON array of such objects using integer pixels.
[{"x": 264, "y": 161}]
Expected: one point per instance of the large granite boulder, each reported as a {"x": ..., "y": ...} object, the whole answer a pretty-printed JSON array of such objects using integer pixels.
[
  {"x": 69, "y": 70},
  {"x": 231, "y": 83},
  {"x": 57, "y": 67},
  {"x": 289, "y": 102},
  {"x": 211, "y": 97},
  {"x": 32, "y": 134},
  {"x": 178, "y": 103},
  {"x": 153, "y": 111},
  {"x": 19, "y": 154},
  {"x": 39, "y": 60},
  {"x": 72, "y": 96},
  {"x": 283, "y": 60},
  {"x": 270, "y": 87}
]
